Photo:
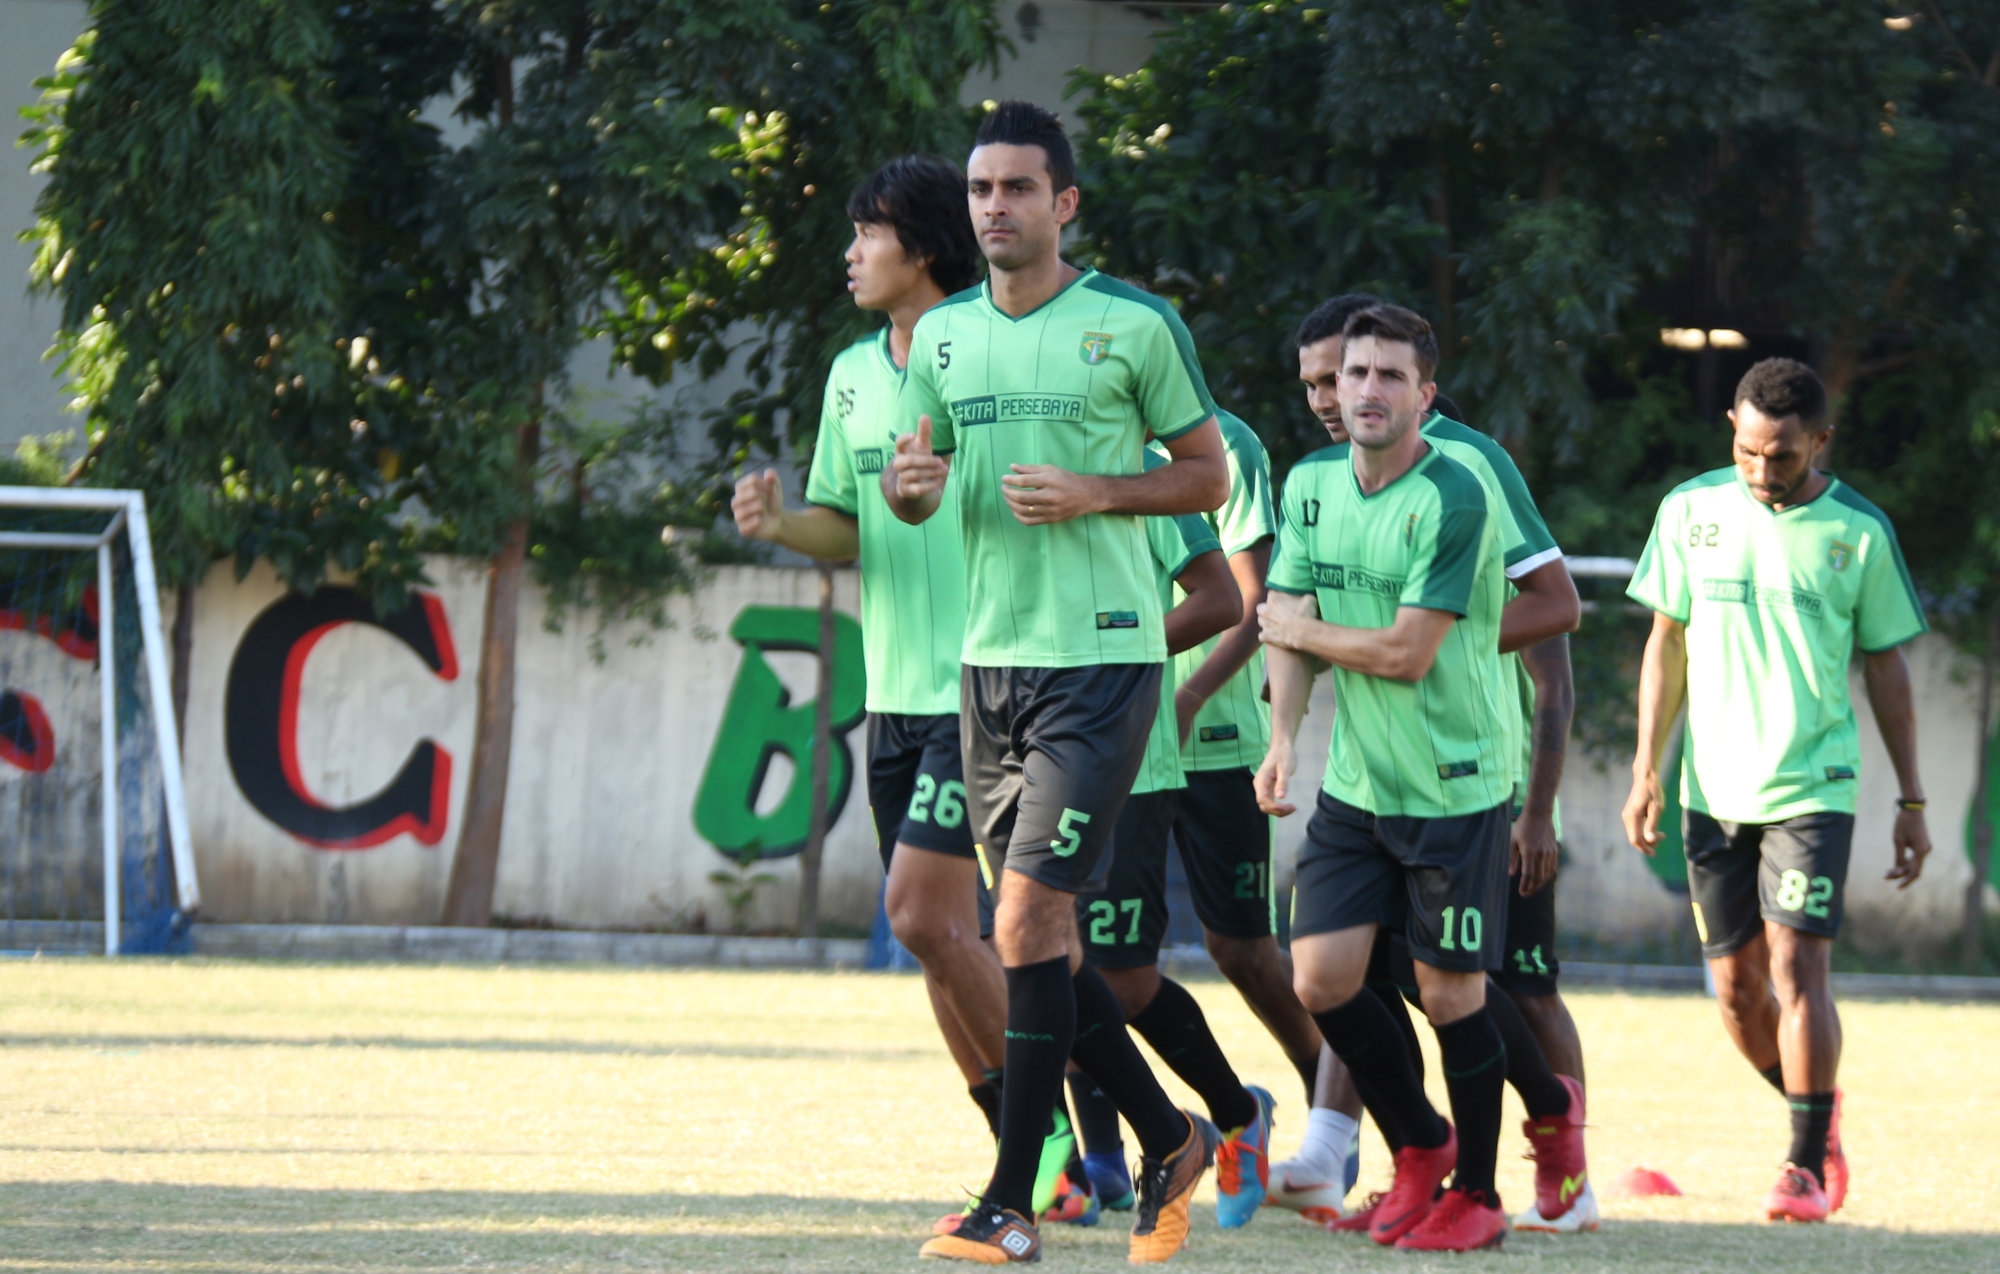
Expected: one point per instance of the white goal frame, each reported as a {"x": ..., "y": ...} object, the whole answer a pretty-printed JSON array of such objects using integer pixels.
[{"x": 128, "y": 510}]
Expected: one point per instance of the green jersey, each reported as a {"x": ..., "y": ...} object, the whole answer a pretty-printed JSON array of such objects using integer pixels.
[
  {"x": 912, "y": 577},
  {"x": 1774, "y": 604},
  {"x": 1079, "y": 383},
  {"x": 1442, "y": 746},
  {"x": 1172, "y": 544},
  {"x": 1528, "y": 547},
  {"x": 1233, "y": 728}
]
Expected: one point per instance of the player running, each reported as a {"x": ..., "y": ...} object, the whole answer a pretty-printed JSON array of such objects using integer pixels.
[
  {"x": 1534, "y": 623},
  {"x": 1039, "y": 391},
  {"x": 1763, "y": 578},
  {"x": 913, "y": 246},
  {"x": 1391, "y": 562}
]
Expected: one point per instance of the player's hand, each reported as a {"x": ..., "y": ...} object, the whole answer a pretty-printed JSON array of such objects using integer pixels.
[
  {"x": 1283, "y": 625},
  {"x": 1913, "y": 845},
  {"x": 1274, "y": 778},
  {"x": 1041, "y": 494},
  {"x": 919, "y": 472},
  {"x": 759, "y": 505},
  {"x": 1533, "y": 853},
  {"x": 1186, "y": 705},
  {"x": 1642, "y": 813}
]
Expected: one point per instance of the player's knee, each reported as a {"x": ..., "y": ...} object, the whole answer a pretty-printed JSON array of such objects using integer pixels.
[
  {"x": 1320, "y": 988},
  {"x": 1801, "y": 968},
  {"x": 1239, "y": 959},
  {"x": 927, "y": 932}
]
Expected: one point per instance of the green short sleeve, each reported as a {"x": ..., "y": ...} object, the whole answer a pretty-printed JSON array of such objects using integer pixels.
[
  {"x": 1249, "y": 515},
  {"x": 1291, "y": 561},
  {"x": 1661, "y": 579},
  {"x": 831, "y": 481},
  {"x": 1447, "y": 560},
  {"x": 1172, "y": 392},
  {"x": 921, "y": 397},
  {"x": 1887, "y": 611}
]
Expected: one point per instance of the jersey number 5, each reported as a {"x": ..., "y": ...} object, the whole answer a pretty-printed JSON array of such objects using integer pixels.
[{"x": 944, "y": 355}]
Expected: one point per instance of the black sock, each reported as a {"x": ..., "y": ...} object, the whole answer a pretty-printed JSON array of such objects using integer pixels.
[
  {"x": 1308, "y": 1070},
  {"x": 1041, "y": 1022},
  {"x": 1392, "y": 1004},
  {"x": 1365, "y": 1037},
  {"x": 1106, "y": 1052},
  {"x": 1174, "y": 1025},
  {"x": 1775, "y": 1076},
  {"x": 1475, "y": 1072},
  {"x": 1096, "y": 1117},
  {"x": 986, "y": 1095},
  {"x": 1811, "y": 1113},
  {"x": 1527, "y": 1070}
]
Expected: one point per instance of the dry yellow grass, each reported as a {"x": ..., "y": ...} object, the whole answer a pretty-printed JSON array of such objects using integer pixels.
[{"x": 271, "y": 1117}]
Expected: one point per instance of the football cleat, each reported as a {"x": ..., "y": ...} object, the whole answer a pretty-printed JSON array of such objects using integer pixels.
[
  {"x": 1362, "y": 1219},
  {"x": 1835, "y": 1170},
  {"x": 1796, "y": 1197},
  {"x": 1072, "y": 1206},
  {"x": 988, "y": 1236},
  {"x": 1419, "y": 1173},
  {"x": 1057, "y": 1148},
  {"x": 1110, "y": 1179},
  {"x": 1165, "y": 1186},
  {"x": 1556, "y": 1146},
  {"x": 1581, "y": 1217},
  {"x": 949, "y": 1224},
  {"x": 1243, "y": 1166},
  {"x": 1458, "y": 1222},
  {"x": 1293, "y": 1188}
]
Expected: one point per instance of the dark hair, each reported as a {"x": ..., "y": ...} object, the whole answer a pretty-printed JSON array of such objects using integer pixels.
[
  {"x": 1015, "y": 123},
  {"x": 923, "y": 198},
  {"x": 1329, "y": 317},
  {"x": 1394, "y": 323},
  {"x": 1781, "y": 387}
]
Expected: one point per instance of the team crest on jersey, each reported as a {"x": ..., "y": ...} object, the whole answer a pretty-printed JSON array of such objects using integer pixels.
[
  {"x": 1096, "y": 347},
  {"x": 1838, "y": 555}
]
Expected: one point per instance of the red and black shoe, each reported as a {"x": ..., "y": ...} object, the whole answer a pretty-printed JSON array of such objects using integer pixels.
[
  {"x": 1419, "y": 1173},
  {"x": 1459, "y": 1222}
]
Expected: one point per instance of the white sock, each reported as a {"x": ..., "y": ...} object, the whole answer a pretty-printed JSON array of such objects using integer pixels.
[{"x": 1329, "y": 1136}]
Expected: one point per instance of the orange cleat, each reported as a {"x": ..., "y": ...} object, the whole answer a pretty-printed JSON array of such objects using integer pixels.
[
  {"x": 1796, "y": 1197},
  {"x": 1457, "y": 1223},
  {"x": 1165, "y": 1186},
  {"x": 987, "y": 1236},
  {"x": 1419, "y": 1173},
  {"x": 1836, "y": 1160}
]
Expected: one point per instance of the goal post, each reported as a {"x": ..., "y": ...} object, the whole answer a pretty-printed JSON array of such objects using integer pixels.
[{"x": 76, "y": 570}]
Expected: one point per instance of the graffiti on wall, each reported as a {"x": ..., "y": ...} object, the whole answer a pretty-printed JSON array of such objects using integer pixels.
[
  {"x": 27, "y": 740},
  {"x": 261, "y": 722},
  {"x": 761, "y": 722}
]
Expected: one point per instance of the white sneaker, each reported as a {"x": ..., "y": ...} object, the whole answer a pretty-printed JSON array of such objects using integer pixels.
[
  {"x": 1581, "y": 1217},
  {"x": 1306, "y": 1192}
]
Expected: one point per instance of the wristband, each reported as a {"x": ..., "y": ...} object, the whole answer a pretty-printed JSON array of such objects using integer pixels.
[{"x": 1916, "y": 806}]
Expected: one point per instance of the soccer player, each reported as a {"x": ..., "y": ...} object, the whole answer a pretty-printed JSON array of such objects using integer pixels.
[
  {"x": 913, "y": 246},
  {"x": 1764, "y": 576},
  {"x": 1035, "y": 395},
  {"x": 1391, "y": 568},
  {"x": 1535, "y": 623},
  {"x": 1124, "y": 922}
]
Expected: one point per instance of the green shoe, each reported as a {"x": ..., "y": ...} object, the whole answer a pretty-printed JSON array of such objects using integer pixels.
[{"x": 1056, "y": 1151}]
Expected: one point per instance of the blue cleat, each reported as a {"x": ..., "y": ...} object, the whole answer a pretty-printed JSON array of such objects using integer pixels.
[
  {"x": 1110, "y": 1179},
  {"x": 1243, "y": 1166}
]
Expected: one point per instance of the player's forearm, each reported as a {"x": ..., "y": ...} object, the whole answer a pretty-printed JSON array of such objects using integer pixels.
[
  {"x": 819, "y": 532},
  {"x": 1546, "y": 606},
  {"x": 1401, "y": 652},
  {"x": 1888, "y": 678},
  {"x": 1194, "y": 485},
  {"x": 1239, "y": 643},
  {"x": 1291, "y": 679},
  {"x": 1662, "y": 687},
  {"x": 1555, "y": 704},
  {"x": 1211, "y": 605}
]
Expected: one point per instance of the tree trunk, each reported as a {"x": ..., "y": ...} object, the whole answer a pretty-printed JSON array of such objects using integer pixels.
[
  {"x": 468, "y": 899},
  {"x": 822, "y": 765},
  {"x": 183, "y": 660},
  {"x": 1972, "y": 949}
]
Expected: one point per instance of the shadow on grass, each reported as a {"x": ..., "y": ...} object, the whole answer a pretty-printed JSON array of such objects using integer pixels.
[
  {"x": 485, "y": 1044},
  {"x": 113, "y": 1225}
]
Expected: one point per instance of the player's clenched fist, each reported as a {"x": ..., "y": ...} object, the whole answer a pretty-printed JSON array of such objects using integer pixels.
[
  {"x": 919, "y": 471},
  {"x": 1274, "y": 778},
  {"x": 759, "y": 505}
]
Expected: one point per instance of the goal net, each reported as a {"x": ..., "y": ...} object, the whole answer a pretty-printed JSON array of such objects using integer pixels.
[{"x": 94, "y": 845}]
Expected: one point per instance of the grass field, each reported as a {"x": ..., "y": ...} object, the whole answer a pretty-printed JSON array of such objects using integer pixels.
[{"x": 253, "y": 1117}]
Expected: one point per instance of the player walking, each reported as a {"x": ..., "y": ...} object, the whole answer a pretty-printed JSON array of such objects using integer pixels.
[
  {"x": 1391, "y": 565},
  {"x": 913, "y": 246},
  {"x": 1534, "y": 623},
  {"x": 1763, "y": 578},
  {"x": 1040, "y": 390}
]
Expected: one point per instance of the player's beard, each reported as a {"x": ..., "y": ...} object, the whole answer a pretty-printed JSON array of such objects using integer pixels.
[
  {"x": 1018, "y": 252},
  {"x": 1391, "y": 434}
]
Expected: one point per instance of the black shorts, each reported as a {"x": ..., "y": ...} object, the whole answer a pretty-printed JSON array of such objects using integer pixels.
[
  {"x": 1225, "y": 845},
  {"x": 1441, "y": 882},
  {"x": 916, "y": 784},
  {"x": 1529, "y": 965},
  {"x": 1793, "y": 873},
  {"x": 1123, "y": 922},
  {"x": 1050, "y": 756}
]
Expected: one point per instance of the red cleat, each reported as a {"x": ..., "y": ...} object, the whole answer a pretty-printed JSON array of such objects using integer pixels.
[
  {"x": 1458, "y": 1223},
  {"x": 1836, "y": 1160},
  {"x": 1557, "y": 1149},
  {"x": 1358, "y": 1221},
  {"x": 1796, "y": 1197},
  {"x": 1419, "y": 1173}
]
